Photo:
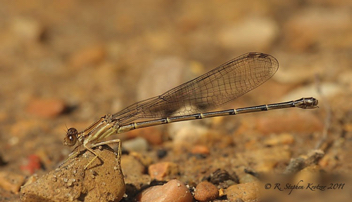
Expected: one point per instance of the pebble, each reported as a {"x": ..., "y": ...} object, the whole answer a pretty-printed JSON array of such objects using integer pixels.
[
  {"x": 327, "y": 89},
  {"x": 88, "y": 56},
  {"x": 46, "y": 108},
  {"x": 11, "y": 181},
  {"x": 134, "y": 167},
  {"x": 345, "y": 79},
  {"x": 27, "y": 29},
  {"x": 329, "y": 161},
  {"x": 220, "y": 176},
  {"x": 131, "y": 166},
  {"x": 281, "y": 139},
  {"x": 160, "y": 171},
  {"x": 267, "y": 158},
  {"x": 248, "y": 178},
  {"x": 31, "y": 179},
  {"x": 138, "y": 144},
  {"x": 250, "y": 34},
  {"x": 166, "y": 73},
  {"x": 206, "y": 191},
  {"x": 161, "y": 153},
  {"x": 188, "y": 135},
  {"x": 296, "y": 122},
  {"x": 19, "y": 129},
  {"x": 245, "y": 192},
  {"x": 174, "y": 191},
  {"x": 33, "y": 164},
  {"x": 298, "y": 69},
  {"x": 323, "y": 27},
  {"x": 144, "y": 159},
  {"x": 310, "y": 174},
  {"x": 152, "y": 134},
  {"x": 200, "y": 149}
]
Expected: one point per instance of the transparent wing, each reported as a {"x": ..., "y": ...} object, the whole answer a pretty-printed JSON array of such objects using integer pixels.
[{"x": 222, "y": 84}]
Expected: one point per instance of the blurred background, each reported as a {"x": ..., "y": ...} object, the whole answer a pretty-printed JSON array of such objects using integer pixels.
[{"x": 67, "y": 63}]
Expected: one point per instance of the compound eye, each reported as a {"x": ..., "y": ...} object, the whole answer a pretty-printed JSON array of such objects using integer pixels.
[{"x": 71, "y": 137}]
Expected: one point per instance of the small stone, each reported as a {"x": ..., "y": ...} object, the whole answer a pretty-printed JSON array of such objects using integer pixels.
[
  {"x": 327, "y": 89},
  {"x": 246, "y": 192},
  {"x": 46, "y": 108},
  {"x": 28, "y": 29},
  {"x": 144, "y": 159},
  {"x": 221, "y": 192},
  {"x": 188, "y": 135},
  {"x": 131, "y": 166},
  {"x": 151, "y": 134},
  {"x": 248, "y": 178},
  {"x": 200, "y": 149},
  {"x": 11, "y": 181},
  {"x": 206, "y": 191},
  {"x": 133, "y": 171},
  {"x": 20, "y": 129},
  {"x": 347, "y": 126},
  {"x": 220, "y": 176},
  {"x": 138, "y": 144},
  {"x": 268, "y": 158},
  {"x": 161, "y": 153},
  {"x": 328, "y": 161},
  {"x": 324, "y": 27},
  {"x": 284, "y": 138},
  {"x": 33, "y": 164},
  {"x": 310, "y": 174},
  {"x": 296, "y": 122},
  {"x": 88, "y": 56},
  {"x": 174, "y": 191},
  {"x": 159, "y": 171},
  {"x": 166, "y": 73},
  {"x": 34, "y": 178},
  {"x": 252, "y": 33}
]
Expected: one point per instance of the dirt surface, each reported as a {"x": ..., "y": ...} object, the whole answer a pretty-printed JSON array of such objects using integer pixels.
[{"x": 67, "y": 63}]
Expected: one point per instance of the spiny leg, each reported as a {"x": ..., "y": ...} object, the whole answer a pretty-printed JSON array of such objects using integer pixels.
[
  {"x": 95, "y": 157},
  {"x": 118, "y": 141}
]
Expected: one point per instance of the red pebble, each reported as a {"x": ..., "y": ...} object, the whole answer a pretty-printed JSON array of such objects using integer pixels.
[{"x": 32, "y": 165}]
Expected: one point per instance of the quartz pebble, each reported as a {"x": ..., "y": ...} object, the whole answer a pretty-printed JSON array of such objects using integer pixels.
[{"x": 174, "y": 191}]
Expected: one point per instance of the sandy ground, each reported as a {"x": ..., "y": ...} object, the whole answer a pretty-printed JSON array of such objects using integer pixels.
[{"x": 67, "y": 63}]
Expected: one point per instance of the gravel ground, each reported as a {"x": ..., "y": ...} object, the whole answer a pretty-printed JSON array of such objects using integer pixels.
[{"x": 67, "y": 63}]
